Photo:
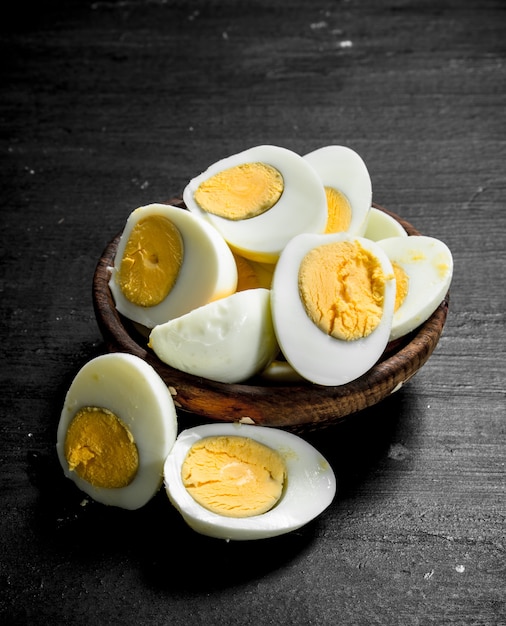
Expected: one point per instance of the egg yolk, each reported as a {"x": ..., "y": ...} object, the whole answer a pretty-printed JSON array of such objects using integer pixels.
[
  {"x": 401, "y": 285},
  {"x": 341, "y": 285},
  {"x": 246, "y": 276},
  {"x": 101, "y": 449},
  {"x": 151, "y": 261},
  {"x": 241, "y": 192},
  {"x": 234, "y": 476},
  {"x": 339, "y": 211}
]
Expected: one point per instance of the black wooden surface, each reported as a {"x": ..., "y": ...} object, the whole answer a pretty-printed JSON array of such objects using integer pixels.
[{"x": 106, "y": 106}]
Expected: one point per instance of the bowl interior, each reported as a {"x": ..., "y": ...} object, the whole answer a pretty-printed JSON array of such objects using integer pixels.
[{"x": 293, "y": 406}]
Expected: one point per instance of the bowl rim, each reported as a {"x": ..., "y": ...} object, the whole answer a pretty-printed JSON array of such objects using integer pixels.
[{"x": 293, "y": 406}]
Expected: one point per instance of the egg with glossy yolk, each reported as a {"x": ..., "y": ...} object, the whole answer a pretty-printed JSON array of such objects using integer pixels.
[
  {"x": 259, "y": 199},
  {"x": 242, "y": 482},
  {"x": 424, "y": 268},
  {"x": 168, "y": 262},
  {"x": 228, "y": 340},
  {"x": 332, "y": 303},
  {"x": 348, "y": 187},
  {"x": 116, "y": 428}
]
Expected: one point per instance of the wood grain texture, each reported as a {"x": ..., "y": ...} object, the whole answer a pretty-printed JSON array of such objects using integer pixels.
[{"x": 106, "y": 106}]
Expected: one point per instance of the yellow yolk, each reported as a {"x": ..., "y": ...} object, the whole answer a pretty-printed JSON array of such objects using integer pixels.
[
  {"x": 252, "y": 274},
  {"x": 401, "y": 285},
  {"x": 246, "y": 276},
  {"x": 341, "y": 286},
  {"x": 339, "y": 211},
  {"x": 151, "y": 262},
  {"x": 100, "y": 449},
  {"x": 234, "y": 476},
  {"x": 241, "y": 192}
]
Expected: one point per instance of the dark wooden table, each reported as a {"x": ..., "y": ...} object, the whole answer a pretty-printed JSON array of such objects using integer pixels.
[{"x": 106, "y": 106}]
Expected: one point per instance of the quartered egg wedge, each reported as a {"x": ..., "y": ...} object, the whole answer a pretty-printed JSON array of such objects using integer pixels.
[
  {"x": 229, "y": 340},
  {"x": 167, "y": 263},
  {"x": 117, "y": 426},
  {"x": 426, "y": 267},
  {"x": 332, "y": 303},
  {"x": 259, "y": 199},
  {"x": 348, "y": 187},
  {"x": 242, "y": 482},
  {"x": 380, "y": 225}
]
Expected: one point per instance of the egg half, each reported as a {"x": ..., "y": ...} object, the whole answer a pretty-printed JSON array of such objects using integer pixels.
[
  {"x": 309, "y": 484},
  {"x": 116, "y": 428},
  {"x": 259, "y": 199},
  {"x": 347, "y": 185},
  {"x": 168, "y": 262},
  {"x": 332, "y": 302},
  {"x": 229, "y": 340},
  {"x": 427, "y": 267}
]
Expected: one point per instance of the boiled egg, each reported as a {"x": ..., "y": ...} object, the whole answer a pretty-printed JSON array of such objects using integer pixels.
[
  {"x": 332, "y": 302},
  {"x": 168, "y": 262},
  {"x": 229, "y": 340},
  {"x": 423, "y": 267},
  {"x": 348, "y": 187},
  {"x": 243, "y": 482},
  {"x": 381, "y": 225},
  {"x": 117, "y": 426},
  {"x": 259, "y": 199}
]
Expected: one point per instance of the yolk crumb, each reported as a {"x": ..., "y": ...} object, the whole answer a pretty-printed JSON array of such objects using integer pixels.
[
  {"x": 241, "y": 192},
  {"x": 101, "y": 449},
  {"x": 401, "y": 285},
  {"x": 151, "y": 261},
  {"x": 339, "y": 211},
  {"x": 341, "y": 285},
  {"x": 234, "y": 476}
]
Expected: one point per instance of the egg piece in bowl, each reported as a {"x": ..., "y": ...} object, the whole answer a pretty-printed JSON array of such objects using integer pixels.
[
  {"x": 242, "y": 482},
  {"x": 116, "y": 428},
  {"x": 347, "y": 185},
  {"x": 228, "y": 340},
  {"x": 423, "y": 267},
  {"x": 381, "y": 225},
  {"x": 168, "y": 262},
  {"x": 332, "y": 302},
  {"x": 259, "y": 199}
]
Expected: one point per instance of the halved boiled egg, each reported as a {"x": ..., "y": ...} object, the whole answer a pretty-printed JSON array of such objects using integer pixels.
[
  {"x": 424, "y": 268},
  {"x": 332, "y": 303},
  {"x": 381, "y": 225},
  {"x": 242, "y": 482},
  {"x": 259, "y": 199},
  {"x": 117, "y": 426},
  {"x": 348, "y": 187},
  {"x": 168, "y": 262},
  {"x": 229, "y": 340}
]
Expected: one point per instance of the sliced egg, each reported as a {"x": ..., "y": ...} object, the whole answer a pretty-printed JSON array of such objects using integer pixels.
[
  {"x": 168, "y": 262},
  {"x": 426, "y": 265},
  {"x": 259, "y": 199},
  {"x": 381, "y": 225},
  {"x": 238, "y": 478},
  {"x": 117, "y": 426},
  {"x": 347, "y": 185},
  {"x": 229, "y": 340},
  {"x": 332, "y": 302}
]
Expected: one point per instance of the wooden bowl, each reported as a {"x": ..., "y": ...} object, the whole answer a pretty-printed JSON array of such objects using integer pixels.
[{"x": 293, "y": 406}]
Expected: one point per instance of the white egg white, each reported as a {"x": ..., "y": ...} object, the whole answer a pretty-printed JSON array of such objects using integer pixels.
[
  {"x": 302, "y": 206},
  {"x": 315, "y": 355},
  {"x": 310, "y": 485},
  {"x": 228, "y": 340},
  {"x": 343, "y": 169},
  {"x": 428, "y": 262},
  {"x": 131, "y": 389},
  {"x": 208, "y": 270},
  {"x": 381, "y": 225}
]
